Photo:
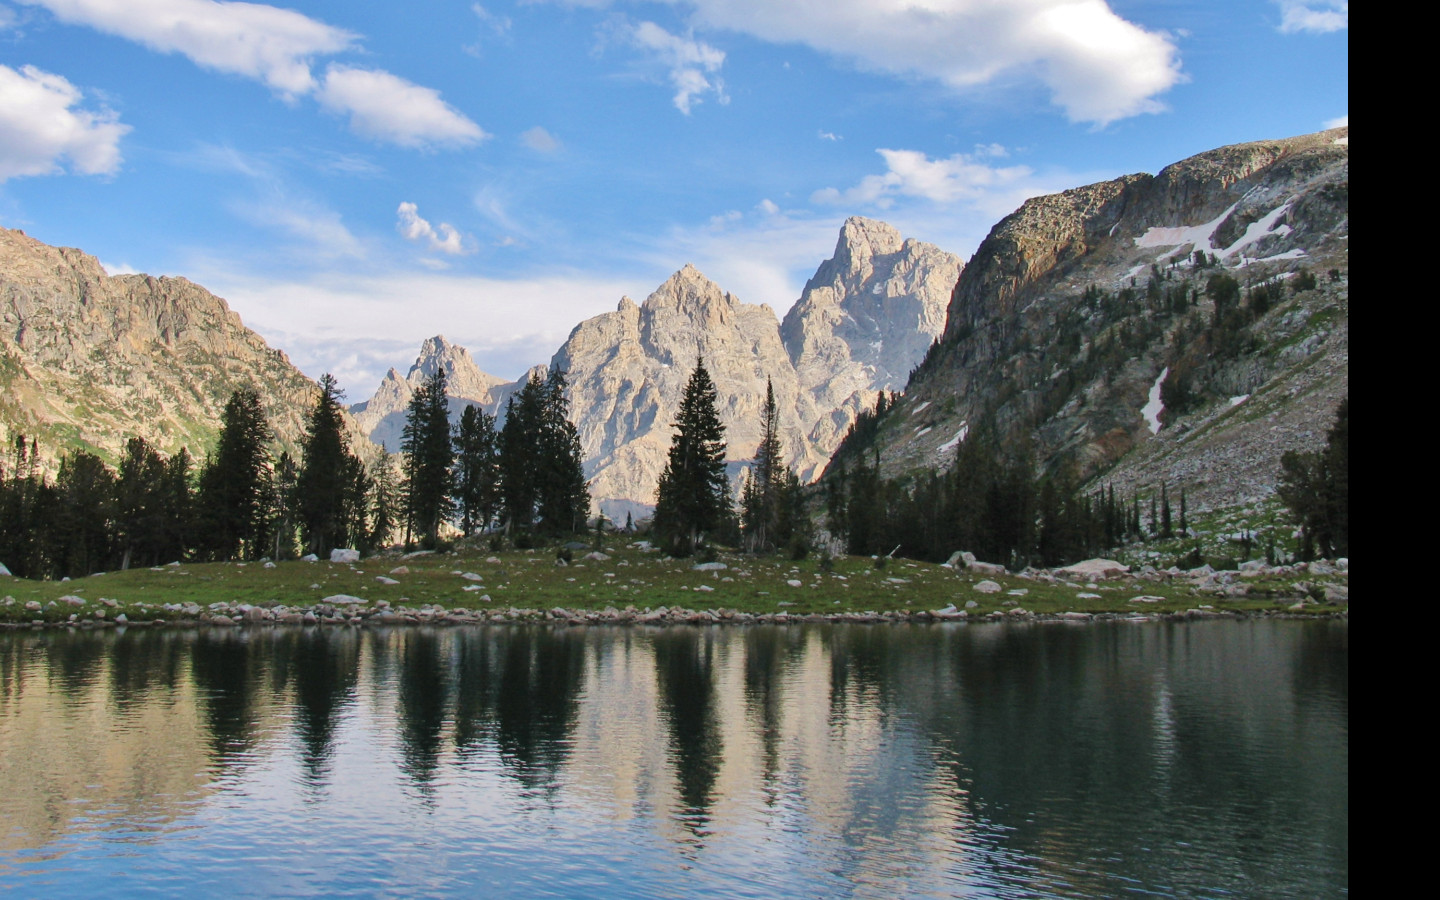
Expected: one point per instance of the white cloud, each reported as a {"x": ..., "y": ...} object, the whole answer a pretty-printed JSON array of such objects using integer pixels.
[
  {"x": 692, "y": 64},
  {"x": 389, "y": 108},
  {"x": 1314, "y": 16},
  {"x": 768, "y": 207},
  {"x": 321, "y": 230},
  {"x": 957, "y": 179},
  {"x": 1341, "y": 122},
  {"x": 266, "y": 43},
  {"x": 830, "y": 136},
  {"x": 278, "y": 47},
  {"x": 1098, "y": 66},
  {"x": 445, "y": 238},
  {"x": 539, "y": 140},
  {"x": 41, "y": 124}
]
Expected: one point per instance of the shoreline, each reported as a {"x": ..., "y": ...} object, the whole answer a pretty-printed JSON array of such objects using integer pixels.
[{"x": 663, "y": 617}]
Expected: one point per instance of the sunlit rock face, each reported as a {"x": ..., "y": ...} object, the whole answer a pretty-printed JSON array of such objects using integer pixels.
[{"x": 89, "y": 360}]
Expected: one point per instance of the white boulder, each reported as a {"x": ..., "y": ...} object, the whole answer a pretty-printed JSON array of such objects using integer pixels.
[
  {"x": 1093, "y": 569},
  {"x": 987, "y": 587},
  {"x": 344, "y": 555}
]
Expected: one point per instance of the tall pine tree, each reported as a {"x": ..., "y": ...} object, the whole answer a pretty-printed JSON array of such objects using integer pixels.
[
  {"x": 235, "y": 484},
  {"x": 425, "y": 441},
  {"x": 327, "y": 471},
  {"x": 477, "y": 469},
  {"x": 693, "y": 496},
  {"x": 564, "y": 499}
]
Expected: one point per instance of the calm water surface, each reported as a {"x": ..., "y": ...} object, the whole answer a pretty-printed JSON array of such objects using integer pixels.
[{"x": 1205, "y": 759}]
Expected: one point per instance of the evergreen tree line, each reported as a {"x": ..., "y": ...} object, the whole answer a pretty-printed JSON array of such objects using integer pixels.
[
  {"x": 992, "y": 503},
  {"x": 243, "y": 502},
  {"x": 526, "y": 479}
]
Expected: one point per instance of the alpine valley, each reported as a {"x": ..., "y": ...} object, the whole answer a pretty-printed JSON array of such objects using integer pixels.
[{"x": 1097, "y": 322}]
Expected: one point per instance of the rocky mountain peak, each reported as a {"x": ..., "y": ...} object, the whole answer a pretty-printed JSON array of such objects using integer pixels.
[{"x": 861, "y": 241}]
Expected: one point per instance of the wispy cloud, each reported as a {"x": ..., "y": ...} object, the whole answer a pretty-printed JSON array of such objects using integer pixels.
[
  {"x": 539, "y": 140},
  {"x": 444, "y": 238},
  {"x": 389, "y": 108},
  {"x": 1339, "y": 122},
  {"x": 321, "y": 230},
  {"x": 693, "y": 65},
  {"x": 42, "y": 127},
  {"x": 278, "y": 47},
  {"x": 1314, "y": 16},
  {"x": 960, "y": 179}
]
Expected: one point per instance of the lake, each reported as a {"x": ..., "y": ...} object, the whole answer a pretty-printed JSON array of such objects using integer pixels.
[{"x": 1191, "y": 759}]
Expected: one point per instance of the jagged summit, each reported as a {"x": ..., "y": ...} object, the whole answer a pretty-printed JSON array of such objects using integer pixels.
[{"x": 382, "y": 417}]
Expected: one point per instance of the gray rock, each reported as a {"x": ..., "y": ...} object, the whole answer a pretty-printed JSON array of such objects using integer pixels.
[
  {"x": 4, "y": 571},
  {"x": 984, "y": 568},
  {"x": 710, "y": 567},
  {"x": 987, "y": 587},
  {"x": 971, "y": 604},
  {"x": 309, "y": 557},
  {"x": 383, "y": 580},
  {"x": 344, "y": 555}
]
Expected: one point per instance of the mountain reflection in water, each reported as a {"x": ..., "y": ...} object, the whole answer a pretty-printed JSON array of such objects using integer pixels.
[{"x": 991, "y": 760}]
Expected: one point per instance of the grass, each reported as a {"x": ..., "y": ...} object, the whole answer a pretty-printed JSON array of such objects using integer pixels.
[{"x": 532, "y": 580}]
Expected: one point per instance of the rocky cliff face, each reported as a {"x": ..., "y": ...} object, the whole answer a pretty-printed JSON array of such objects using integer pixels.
[
  {"x": 88, "y": 360},
  {"x": 1082, "y": 311},
  {"x": 382, "y": 417},
  {"x": 864, "y": 320}
]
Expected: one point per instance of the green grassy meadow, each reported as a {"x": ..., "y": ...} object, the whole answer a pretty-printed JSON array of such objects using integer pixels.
[{"x": 631, "y": 577}]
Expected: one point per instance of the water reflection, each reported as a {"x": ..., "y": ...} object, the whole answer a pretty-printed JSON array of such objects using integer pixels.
[{"x": 865, "y": 761}]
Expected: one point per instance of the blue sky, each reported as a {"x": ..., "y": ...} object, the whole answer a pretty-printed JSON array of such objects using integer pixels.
[{"x": 353, "y": 178}]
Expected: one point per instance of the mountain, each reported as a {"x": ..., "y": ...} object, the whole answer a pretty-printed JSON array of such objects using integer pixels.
[
  {"x": 862, "y": 323},
  {"x": 382, "y": 417},
  {"x": 864, "y": 320},
  {"x": 88, "y": 360},
  {"x": 1186, "y": 327}
]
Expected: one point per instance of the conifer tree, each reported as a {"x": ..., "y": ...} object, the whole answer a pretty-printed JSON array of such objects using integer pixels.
[
  {"x": 235, "y": 484},
  {"x": 760, "y": 500},
  {"x": 562, "y": 495},
  {"x": 519, "y": 439},
  {"x": 285, "y": 527},
  {"x": 1166, "y": 531},
  {"x": 326, "y": 478},
  {"x": 425, "y": 441},
  {"x": 384, "y": 500},
  {"x": 693, "y": 496},
  {"x": 477, "y": 469},
  {"x": 139, "y": 503}
]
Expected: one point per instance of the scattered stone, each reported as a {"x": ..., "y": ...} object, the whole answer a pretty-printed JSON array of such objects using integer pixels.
[
  {"x": 269, "y": 565},
  {"x": 344, "y": 555},
  {"x": 343, "y": 600},
  {"x": 705, "y": 587},
  {"x": 4, "y": 571},
  {"x": 597, "y": 556},
  {"x": 109, "y": 602},
  {"x": 73, "y": 600},
  {"x": 414, "y": 553},
  {"x": 971, "y": 604},
  {"x": 383, "y": 580},
  {"x": 1337, "y": 593},
  {"x": 1018, "y": 592},
  {"x": 984, "y": 568},
  {"x": 122, "y": 619},
  {"x": 309, "y": 557},
  {"x": 1093, "y": 569},
  {"x": 492, "y": 560},
  {"x": 1086, "y": 595},
  {"x": 987, "y": 587},
  {"x": 1145, "y": 598},
  {"x": 471, "y": 576},
  {"x": 708, "y": 567},
  {"x": 32, "y": 605},
  {"x": 793, "y": 582}
]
